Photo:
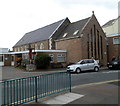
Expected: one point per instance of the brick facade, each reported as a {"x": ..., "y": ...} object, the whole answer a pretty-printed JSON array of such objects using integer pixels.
[
  {"x": 73, "y": 47},
  {"x": 83, "y": 39},
  {"x": 92, "y": 44},
  {"x": 113, "y": 49},
  {"x": 36, "y": 45}
]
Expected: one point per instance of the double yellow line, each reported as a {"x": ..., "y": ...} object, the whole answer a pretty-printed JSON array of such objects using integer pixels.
[{"x": 96, "y": 83}]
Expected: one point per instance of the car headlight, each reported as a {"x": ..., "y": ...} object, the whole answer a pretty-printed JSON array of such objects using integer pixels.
[
  {"x": 115, "y": 63},
  {"x": 68, "y": 67}
]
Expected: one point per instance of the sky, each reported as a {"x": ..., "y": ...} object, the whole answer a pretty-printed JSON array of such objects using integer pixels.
[{"x": 18, "y": 17}]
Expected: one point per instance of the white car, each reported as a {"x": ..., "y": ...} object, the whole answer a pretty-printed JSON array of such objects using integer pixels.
[{"x": 84, "y": 65}]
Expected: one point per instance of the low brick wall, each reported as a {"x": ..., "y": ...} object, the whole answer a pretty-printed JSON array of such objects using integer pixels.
[{"x": 30, "y": 67}]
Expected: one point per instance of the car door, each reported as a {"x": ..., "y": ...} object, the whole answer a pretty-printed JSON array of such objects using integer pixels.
[
  {"x": 90, "y": 64},
  {"x": 83, "y": 65}
]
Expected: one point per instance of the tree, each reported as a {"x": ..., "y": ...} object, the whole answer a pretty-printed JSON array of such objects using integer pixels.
[{"x": 42, "y": 61}]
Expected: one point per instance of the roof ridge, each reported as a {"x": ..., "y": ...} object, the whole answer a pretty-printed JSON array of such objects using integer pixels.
[
  {"x": 108, "y": 23},
  {"x": 39, "y": 34},
  {"x": 80, "y": 20},
  {"x": 45, "y": 26}
]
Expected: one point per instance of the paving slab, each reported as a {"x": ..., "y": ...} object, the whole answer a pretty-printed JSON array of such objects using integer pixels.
[{"x": 63, "y": 99}]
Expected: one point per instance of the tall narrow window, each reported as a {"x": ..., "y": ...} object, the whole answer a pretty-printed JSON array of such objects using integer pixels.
[
  {"x": 88, "y": 46},
  {"x": 98, "y": 44},
  {"x": 95, "y": 41},
  {"x": 101, "y": 47},
  {"x": 88, "y": 49},
  {"x": 91, "y": 43}
]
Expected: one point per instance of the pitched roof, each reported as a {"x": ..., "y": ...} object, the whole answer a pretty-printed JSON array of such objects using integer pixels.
[
  {"x": 40, "y": 34},
  {"x": 73, "y": 29},
  {"x": 109, "y": 23}
]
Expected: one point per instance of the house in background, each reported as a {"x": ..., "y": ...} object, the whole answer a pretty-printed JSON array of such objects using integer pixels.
[
  {"x": 81, "y": 39},
  {"x": 112, "y": 30}
]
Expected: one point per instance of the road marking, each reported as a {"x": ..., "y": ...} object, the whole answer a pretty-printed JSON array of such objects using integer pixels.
[
  {"x": 96, "y": 83},
  {"x": 111, "y": 72}
]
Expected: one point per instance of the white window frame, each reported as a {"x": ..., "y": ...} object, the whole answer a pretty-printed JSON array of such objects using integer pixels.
[
  {"x": 61, "y": 57},
  {"x": 116, "y": 40}
]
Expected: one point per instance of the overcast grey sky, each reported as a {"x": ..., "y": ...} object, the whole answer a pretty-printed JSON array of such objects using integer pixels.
[{"x": 18, "y": 17}]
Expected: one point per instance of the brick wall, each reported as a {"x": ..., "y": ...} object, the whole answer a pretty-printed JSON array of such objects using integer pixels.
[
  {"x": 36, "y": 45},
  {"x": 73, "y": 46},
  {"x": 113, "y": 49}
]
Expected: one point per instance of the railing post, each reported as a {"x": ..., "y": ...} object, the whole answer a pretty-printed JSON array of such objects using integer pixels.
[
  {"x": 36, "y": 89},
  {"x": 1, "y": 94},
  {"x": 70, "y": 80}
]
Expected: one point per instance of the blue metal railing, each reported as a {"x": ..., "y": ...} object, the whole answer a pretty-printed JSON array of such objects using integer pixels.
[{"x": 23, "y": 90}]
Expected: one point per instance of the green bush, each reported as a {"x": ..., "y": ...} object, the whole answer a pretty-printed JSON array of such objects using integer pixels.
[{"x": 42, "y": 61}]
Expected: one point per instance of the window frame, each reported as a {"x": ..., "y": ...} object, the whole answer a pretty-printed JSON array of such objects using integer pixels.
[
  {"x": 61, "y": 56},
  {"x": 116, "y": 42}
]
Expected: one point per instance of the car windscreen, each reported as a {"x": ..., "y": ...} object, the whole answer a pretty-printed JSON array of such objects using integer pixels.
[{"x": 117, "y": 58}]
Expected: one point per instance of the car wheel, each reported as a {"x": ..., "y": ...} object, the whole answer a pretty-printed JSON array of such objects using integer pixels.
[
  {"x": 78, "y": 70},
  {"x": 96, "y": 69}
]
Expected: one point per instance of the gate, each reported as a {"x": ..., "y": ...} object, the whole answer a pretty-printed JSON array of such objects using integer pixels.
[{"x": 23, "y": 90}]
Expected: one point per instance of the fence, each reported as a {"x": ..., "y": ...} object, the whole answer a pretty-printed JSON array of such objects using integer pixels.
[{"x": 23, "y": 90}]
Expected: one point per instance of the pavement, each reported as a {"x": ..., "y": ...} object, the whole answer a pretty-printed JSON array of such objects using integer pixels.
[
  {"x": 9, "y": 72},
  {"x": 97, "y": 93}
]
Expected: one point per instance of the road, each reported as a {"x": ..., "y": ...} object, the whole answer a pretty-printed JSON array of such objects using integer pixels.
[
  {"x": 93, "y": 77},
  {"x": 77, "y": 80}
]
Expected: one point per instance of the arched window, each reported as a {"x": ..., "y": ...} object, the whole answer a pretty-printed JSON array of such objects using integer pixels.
[{"x": 41, "y": 46}]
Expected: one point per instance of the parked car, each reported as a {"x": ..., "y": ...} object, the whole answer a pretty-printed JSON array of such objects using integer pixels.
[
  {"x": 84, "y": 65},
  {"x": 114, "y": 64}
]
